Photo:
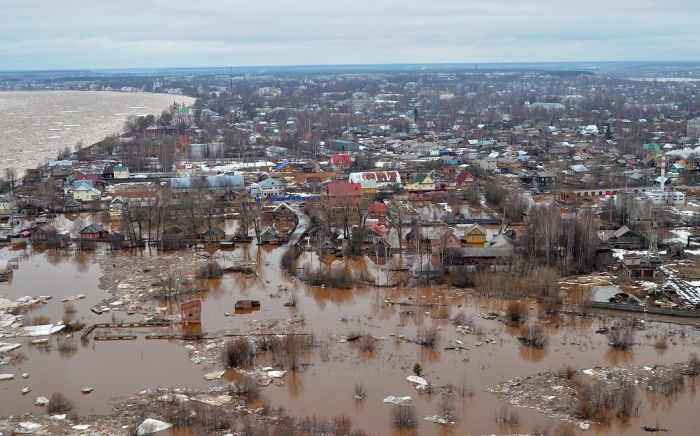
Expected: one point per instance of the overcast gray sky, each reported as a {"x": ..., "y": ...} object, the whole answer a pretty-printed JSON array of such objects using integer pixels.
[{"x": 47, "y": 34}]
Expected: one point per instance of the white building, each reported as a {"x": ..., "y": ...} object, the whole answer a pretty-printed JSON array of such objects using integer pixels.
[
  {"x": 658, "y": 196},
  {"x": 693, "y": 130}
]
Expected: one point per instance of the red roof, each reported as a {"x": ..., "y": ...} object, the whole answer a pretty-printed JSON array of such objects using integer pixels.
[
  {"x": 343, "y": 189},
  {"x": 340, "y": 160},
  {"x": 465, "y": 177},
  {"x": 377, "y": 207}
]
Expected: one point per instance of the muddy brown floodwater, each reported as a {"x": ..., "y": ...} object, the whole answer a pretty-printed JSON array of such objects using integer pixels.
[{"x": 324, "y": 388}]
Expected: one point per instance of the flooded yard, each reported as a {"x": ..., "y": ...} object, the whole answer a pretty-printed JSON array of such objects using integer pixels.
[{"x": 467, "y": 361}]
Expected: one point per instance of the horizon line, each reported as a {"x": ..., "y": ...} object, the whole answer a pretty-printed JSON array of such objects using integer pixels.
[{"x": 360, "y": 65}]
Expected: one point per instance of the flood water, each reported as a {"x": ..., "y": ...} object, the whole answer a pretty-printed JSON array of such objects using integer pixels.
[
  {"x": 36, "y": 125},
  {"x": 324, "y": 388}
]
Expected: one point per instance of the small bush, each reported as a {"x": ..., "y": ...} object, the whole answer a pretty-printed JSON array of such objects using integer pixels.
[
  {"x": 291, "y": 348},
  {"x": 338, "y": 278},
  {"x": 516, "y": 312},
  {"x": 600, "y": 403},
  {"x": 245, "y": 387},
  {"x": 238, "y": 352},
  {"x": 212, "y": 270},
  {"x": 59, "y": 404},
  {"x": 428, "y": 337},
  {"x": 621, "y": 336},
  {"x": 661, "y": 343},
  {"x": 417, "y": 369},
  {"x": 403, "y": 416},
  {"x": 462, "y": 319},
  {"x": 534, "y": 336},
  {"x": 269, "y": 343}
]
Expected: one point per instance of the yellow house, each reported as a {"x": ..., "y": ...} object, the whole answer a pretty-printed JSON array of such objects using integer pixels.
[
  {"x": 422, "y": 182},
  {"x": 86, "y": 193},
  {"x": 475, "y": 236}
]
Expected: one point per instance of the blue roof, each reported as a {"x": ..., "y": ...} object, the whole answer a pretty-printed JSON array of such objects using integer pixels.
[
  {"x": 281, "y": 166},
  {"x": 270, "y": 182},
  {"x": 82, "y": 183}
]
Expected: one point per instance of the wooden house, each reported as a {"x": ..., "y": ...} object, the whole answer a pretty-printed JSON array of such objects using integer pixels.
[
  {"x": 465, "y": 178},
  {"x": 93, "y": 232},
  {"x": 174, "y": 238},
  {"x": 475, "y": 236}
]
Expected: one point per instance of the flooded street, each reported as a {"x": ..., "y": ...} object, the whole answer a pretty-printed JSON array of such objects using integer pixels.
[{"x": 490, "y": 354}]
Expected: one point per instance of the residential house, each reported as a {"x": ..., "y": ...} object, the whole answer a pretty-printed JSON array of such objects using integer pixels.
[
  {"x": 372, "y": 181},
  {"x": 83, "y": 191},
  {"x": 465, "y": 178},
  {"x": 45, "y": 234},
  {"x": 284, "y": 218},
  {"x": 638, "y": 267},
  {"x": 421, "y": 183},
  {"x": 446, "y": 240},
  {"x": 377, "y": 210},
  {"x": 120, "y": 172},
  {"x": 475, "y": 236},
  {"x": 86, "y": 193},
  {"x": 72, "y": 206},
  {"x": 6, "y": 205},
  {"x": 94, "y": 231},
  {"x": 271, "y": 236},
  {"x": 116, "y": 207},
  {"x": 340, "y": 162},
  {"x": 489, "y": 163},
  {"x": 270, "y": 187},
  {"x": 310, "y": 167},
  {"x": 508, "y": 163},
  {"x": 544, "y": 179},
  {"x": 343, "y": 145},
  {"x": 624, "y": 237},
  {"x": 284, "y": 167},
  {"x": 174, "y": 238},
  {"x": 344, "y": 190}
]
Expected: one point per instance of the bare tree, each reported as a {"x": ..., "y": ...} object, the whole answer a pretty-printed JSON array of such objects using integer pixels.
[
  {"x": 399, "y": 216},
  {"x": 10, "y": 176}
]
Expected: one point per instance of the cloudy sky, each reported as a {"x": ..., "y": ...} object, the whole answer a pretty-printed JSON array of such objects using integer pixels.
[{"x": 49, "y": 34}]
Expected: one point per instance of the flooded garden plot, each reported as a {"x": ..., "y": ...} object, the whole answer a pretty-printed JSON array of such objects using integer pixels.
[{"x": 360, "y": 348}]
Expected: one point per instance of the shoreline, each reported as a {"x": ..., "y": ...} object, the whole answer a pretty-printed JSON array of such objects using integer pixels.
[{"x": 36, "y": 130}]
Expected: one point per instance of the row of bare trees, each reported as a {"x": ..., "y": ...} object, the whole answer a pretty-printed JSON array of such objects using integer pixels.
[{"x": 568, "y": 244}]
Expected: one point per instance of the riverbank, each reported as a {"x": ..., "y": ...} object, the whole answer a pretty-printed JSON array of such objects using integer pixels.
[{"x": 36, "y": 125}]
